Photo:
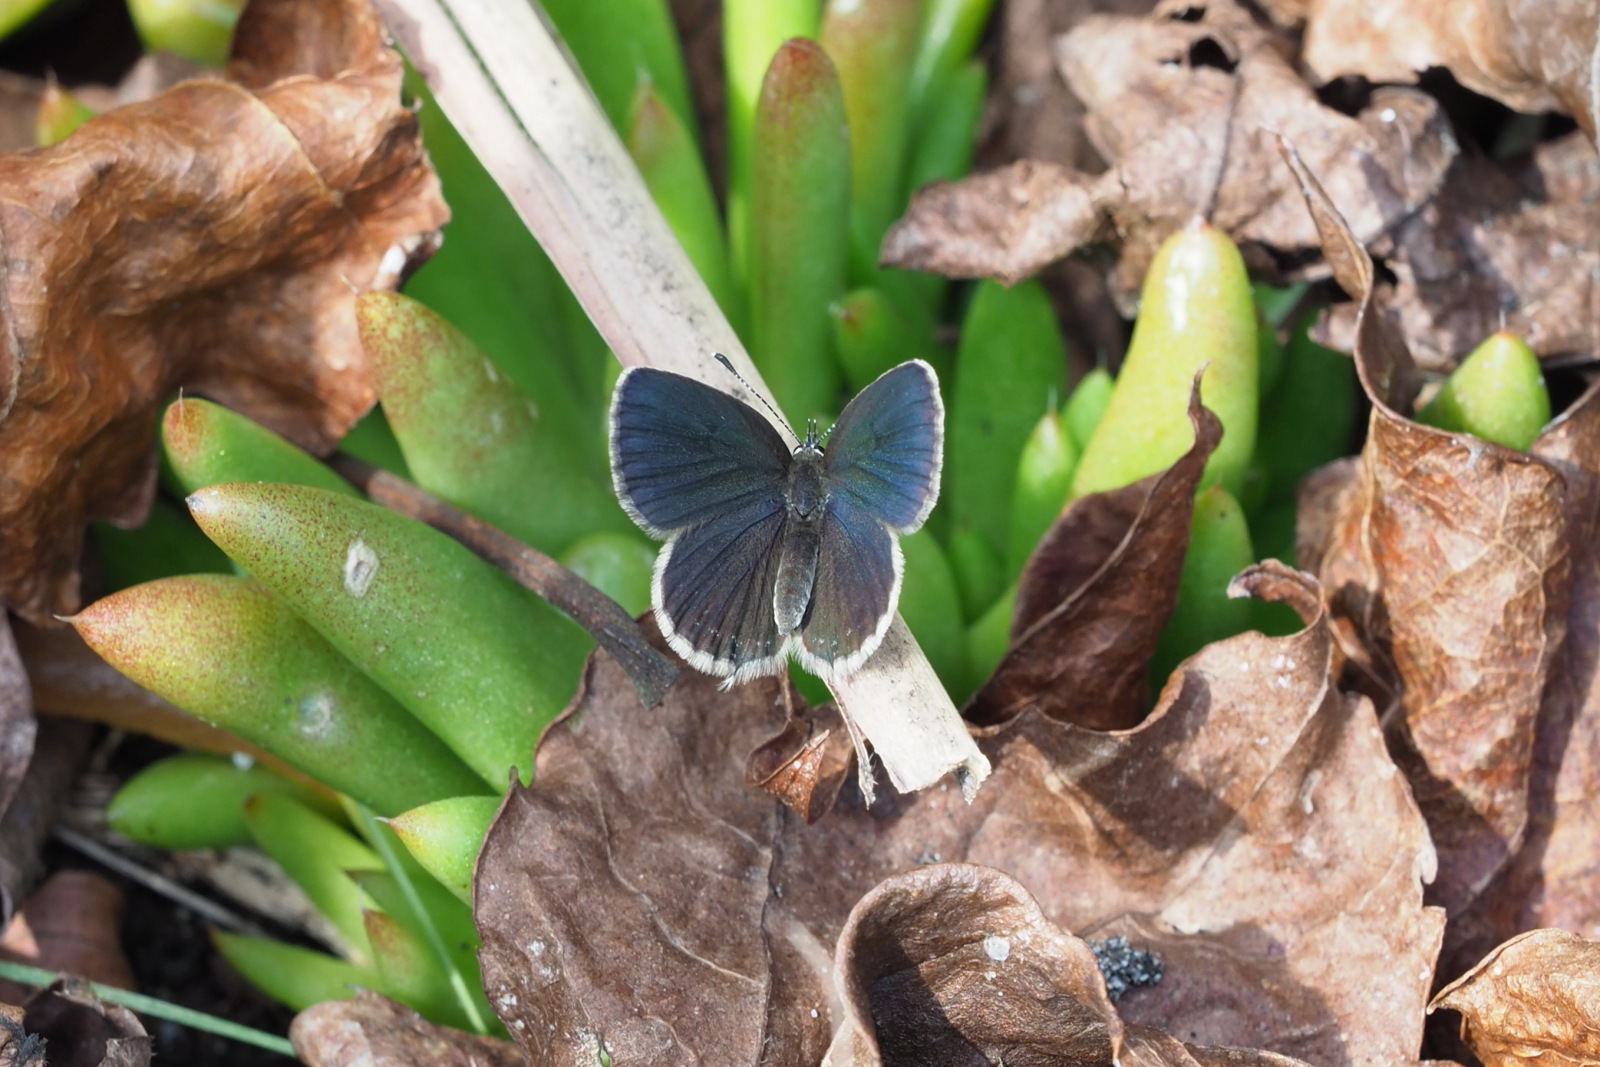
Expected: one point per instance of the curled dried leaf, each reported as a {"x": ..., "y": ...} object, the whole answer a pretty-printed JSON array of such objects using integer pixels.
[
  {"x": 212, "y": 238},
  {"x": 71, "y": 924},
  {"x": 1095, "y": 594},
  {"x": 17, "y": 725},
  {"x": 1554, "y": 880},
  {"x": 1253, "y": 826},
  {"x": 1534, "y": 998},
  {"x": 806, "y": 764},
  {"x": 643, "y": 818},
  {"x": 956, "y": 964},
  {"x": 1007, "y": 224},
  {"x": 1185, "y": 818},
  {"x": 1449, "y": 566}
]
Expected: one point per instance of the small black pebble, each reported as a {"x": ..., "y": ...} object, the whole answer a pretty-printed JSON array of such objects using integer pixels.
[{"x": 1124, "y": 966}]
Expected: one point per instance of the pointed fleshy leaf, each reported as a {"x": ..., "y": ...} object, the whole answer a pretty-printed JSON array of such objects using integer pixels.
[
  {"x": 224, "y": 650},
  {"x": 478, "y": 659}
]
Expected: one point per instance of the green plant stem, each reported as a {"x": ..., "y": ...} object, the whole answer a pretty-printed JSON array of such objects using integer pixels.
[
  {"x": 377, "y": 836},
  {"x": 160, "y": 1009}
]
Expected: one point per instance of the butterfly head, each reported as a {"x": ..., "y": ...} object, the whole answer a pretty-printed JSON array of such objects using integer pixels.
[{"x": 813, "y": 440}]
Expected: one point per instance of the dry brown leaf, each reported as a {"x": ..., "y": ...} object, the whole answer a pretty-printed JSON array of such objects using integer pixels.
[
  {"x": 1534, "y": 998},
  {"x": 1531, "y": 55},
  {"x": 1449, "y": 565},
  {"x": 806, "y": 764},
  {"x": 643, "y": 818},
  {"x": 1095, "y": 595},
  {"x": 19, "y": 110},
  {"x": 213, "y": 239},
  {"x": 370, "y": 1030},
  {"x": 71, "y": 924},
  {"x": 17, "y": 1047},
  {"x": 83, "y": 1031},
  {"x": 1034, "y": 115},
  {"x": 58, "y": 754},
  {"x": 1255, "y": 817},
  {"x": 17, "y": 725},
  {"x": 1169, "y": 98},
  {"x": 1555, "y": 879},
  {"x": 1507, "y": 244},
  {"x": 1007, "y": 224}
]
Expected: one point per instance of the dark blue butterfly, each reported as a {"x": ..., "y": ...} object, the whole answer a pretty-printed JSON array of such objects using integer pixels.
[{"x": 772, "y": 551}]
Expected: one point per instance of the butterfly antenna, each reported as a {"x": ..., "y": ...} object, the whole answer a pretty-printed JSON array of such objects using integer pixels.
[{"x": 722, "y": 359}]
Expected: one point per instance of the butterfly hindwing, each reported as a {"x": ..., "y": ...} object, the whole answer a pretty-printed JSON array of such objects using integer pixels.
[
  {"x": 683, "y": 453},
  {"x": 858, "y": 582},
  {"x": 885, "y": 451},
  {"x": 712, "y": 592}
]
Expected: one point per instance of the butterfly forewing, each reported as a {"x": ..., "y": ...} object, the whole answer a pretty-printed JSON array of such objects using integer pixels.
[
  {"x": 858, "y": 582},
  {"x": 884, "y": 453},
  {"x": 683, "y": 453},
  {"x": 713, "y": 592}
]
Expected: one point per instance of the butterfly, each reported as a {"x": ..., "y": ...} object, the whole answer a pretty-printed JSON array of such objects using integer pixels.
[{"x": 772, "y": 551}]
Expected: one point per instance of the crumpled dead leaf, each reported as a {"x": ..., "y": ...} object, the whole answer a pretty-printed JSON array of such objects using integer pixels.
[
  {"x": 1531, "y": 55},
  {"x": 1534, "y": 998},
  {"x": 1253, "y": 822},
  {"x": 1507, "y": 244},
  {"x": 1095, "y": 595},
  {"x": 1171, "y": 97},
  {"x": 83, "y": 1031},
  {"x": 1473, "y": 243},
  {"x": 17, "y": 1047},
  {"x": 212, "y": 239},
  {"x": 1448, "y": 569},
  {"x": 370, "y": 1030},
  {"x": 1033, "y": 115},
  {"x": 59, "y": 751}
]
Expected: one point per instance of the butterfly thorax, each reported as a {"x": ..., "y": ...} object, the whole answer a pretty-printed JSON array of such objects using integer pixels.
[
  {"x": 806, "y": 497},
  {"x": 807, "y": 491}
]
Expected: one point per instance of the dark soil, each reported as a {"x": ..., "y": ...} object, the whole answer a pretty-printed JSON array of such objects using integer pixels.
[{"x": 173, "y": 960}]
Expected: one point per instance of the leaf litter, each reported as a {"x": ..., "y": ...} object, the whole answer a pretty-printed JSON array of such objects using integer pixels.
[
  {"x": 1183, "y": 105},
  {"x": 1233, "y": 830},
  {"x": 653, "y": 897},
  {"x": 281, "y": 192}
]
